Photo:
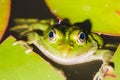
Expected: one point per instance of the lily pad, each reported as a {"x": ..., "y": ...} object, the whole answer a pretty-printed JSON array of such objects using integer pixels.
[
  {"x": 4, "y": 15},
  {"x": 15, "y": 64},
  {"x": 115, "y": 74},
  {"x": 103, "y": 14},
  {"x": 116, "y": 60}
]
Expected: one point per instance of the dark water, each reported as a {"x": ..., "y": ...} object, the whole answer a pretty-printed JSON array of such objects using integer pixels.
[{"x": 38, "y": 9}]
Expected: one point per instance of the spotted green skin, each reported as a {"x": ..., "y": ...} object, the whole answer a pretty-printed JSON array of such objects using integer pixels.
[{"x": 65, "y": 47}]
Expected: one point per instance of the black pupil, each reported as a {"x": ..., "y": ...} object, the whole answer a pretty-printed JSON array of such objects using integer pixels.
[
  {"x": 51, "y": 34},
  {"x": 82, "y": 35}
]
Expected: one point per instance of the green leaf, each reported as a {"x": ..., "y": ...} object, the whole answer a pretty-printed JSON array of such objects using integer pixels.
[
  {"x": 104, "y": 14},
  {"x": 116, "y": 60},
  {"x": 15, "y": 64},
  {"x": 116, "y": 71},
  {"x": 4, "y": 15}
]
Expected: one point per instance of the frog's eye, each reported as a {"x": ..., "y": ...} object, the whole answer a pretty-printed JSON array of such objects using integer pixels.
[
  {"x": 81, "y": 37},
  {"x": 52, "y": 35}
]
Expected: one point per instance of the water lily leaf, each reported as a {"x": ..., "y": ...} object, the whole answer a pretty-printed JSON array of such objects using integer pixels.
[
  {"x": 115, "y": 75},
  {"x": 104, "y": 14},
  {"x": 116, "y": 60},
  {"x": 15, "y": 64},
  {"x": 4, "y": 15}
]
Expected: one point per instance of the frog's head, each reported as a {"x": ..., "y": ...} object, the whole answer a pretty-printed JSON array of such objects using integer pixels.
[{"x": 68, "y": 44}]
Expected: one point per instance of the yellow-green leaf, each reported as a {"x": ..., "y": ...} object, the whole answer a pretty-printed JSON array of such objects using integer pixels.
[
  {"x": 104, "y": 14},
  {"x": 15, "y": 64},
  {"x": 115, "y": 74}
]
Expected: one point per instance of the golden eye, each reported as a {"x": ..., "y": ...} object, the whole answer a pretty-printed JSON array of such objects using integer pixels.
[
  {"x": 81, "y": 37},
  {"x": 52, "y": 35}
]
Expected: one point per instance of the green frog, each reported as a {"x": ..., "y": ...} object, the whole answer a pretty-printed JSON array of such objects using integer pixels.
[{"x": 65, "y": 43}]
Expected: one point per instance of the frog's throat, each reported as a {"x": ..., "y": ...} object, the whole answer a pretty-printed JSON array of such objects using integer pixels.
[{"x": 85, "y": 57}]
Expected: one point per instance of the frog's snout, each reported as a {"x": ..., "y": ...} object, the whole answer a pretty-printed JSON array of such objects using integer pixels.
[{"x": 65, "y": 51}]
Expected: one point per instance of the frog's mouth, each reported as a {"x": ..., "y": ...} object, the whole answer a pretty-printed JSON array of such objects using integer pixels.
[{"x": 85, "y": 57}]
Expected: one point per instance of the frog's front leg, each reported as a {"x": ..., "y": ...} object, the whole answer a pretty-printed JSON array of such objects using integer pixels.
[
  {"x": 25, "y": 44},
  {"x": 106, "y": 56},
  {"x": 31, "y": 38}
]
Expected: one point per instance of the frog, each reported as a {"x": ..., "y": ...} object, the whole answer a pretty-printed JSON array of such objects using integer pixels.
[{"x": 65, "y": 43}]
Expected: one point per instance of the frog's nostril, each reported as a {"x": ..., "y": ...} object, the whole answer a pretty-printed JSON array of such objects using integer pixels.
[
  {"x": 71, "y": 44},
  {"x": 60, "y": 43}
]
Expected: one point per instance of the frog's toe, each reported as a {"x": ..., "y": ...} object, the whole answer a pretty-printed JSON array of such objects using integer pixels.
[
  {"x": 102, "y": 72},
  {"x": 98, "y": 76},
  {"x": 19, "y": 42},
  {"x": 29, "y": 49}
]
